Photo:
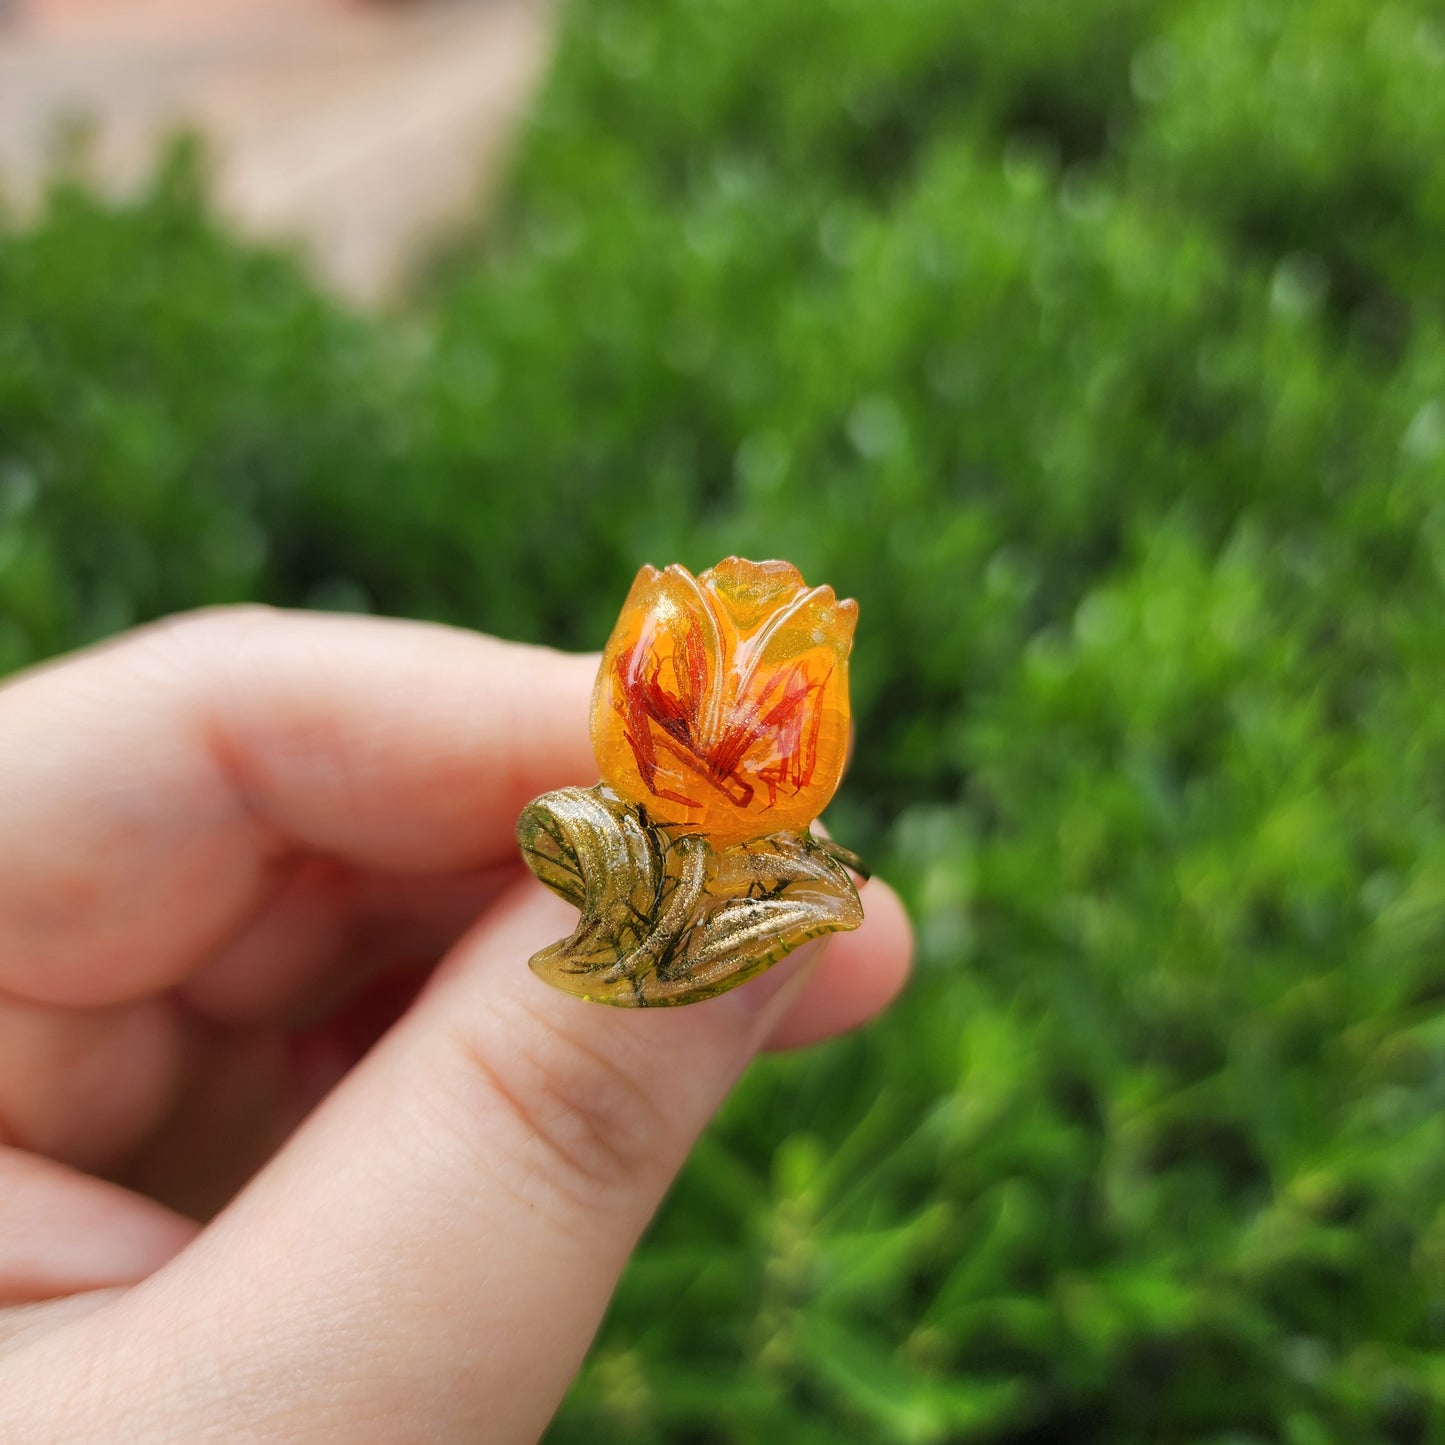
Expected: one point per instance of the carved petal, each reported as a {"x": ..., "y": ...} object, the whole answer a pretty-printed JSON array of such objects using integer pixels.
[
  {"x": 748, "y": 593},
  {"x": 658, "y": 695},
  {"x": 790, "y": 702}
]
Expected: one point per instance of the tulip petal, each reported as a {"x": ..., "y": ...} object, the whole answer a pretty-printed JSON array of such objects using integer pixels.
[
  {"x": 750, "y": 592},
  {"x": 658, "y": 693},
  {"x": 790, "y": 720}
]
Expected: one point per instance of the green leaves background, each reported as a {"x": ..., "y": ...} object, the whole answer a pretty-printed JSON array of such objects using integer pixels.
[{"x": 1099, "y": 350}]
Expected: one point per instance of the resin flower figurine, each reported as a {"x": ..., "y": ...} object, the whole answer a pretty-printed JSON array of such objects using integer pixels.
[
  {"x": 722, "y": 701},
  {"x": 720, "y": 724}
]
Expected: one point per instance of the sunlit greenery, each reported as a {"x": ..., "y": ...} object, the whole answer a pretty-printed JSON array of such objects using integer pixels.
[{"x": 1097, "y": 348}]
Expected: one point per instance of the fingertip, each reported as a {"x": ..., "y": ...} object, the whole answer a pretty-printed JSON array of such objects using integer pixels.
[
  {"x": 859, "y": 975},
  {"x": 67, "y": 1232}
]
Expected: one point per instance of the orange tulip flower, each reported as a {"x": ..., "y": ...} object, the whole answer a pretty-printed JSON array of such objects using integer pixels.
[{"x": 721, "y": 705}]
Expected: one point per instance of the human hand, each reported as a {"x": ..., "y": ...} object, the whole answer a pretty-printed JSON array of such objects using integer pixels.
[{"x": 231, "y": 848}]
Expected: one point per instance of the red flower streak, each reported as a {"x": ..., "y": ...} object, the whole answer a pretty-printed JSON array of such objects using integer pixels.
[{"x": 645, "y": 704}]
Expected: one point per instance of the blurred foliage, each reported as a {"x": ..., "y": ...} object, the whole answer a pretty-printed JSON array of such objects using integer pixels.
[{"x": 1098, "y": 348}]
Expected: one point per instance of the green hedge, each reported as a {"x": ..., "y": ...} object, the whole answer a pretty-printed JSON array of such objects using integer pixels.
[{"x": 1099, "y": 350}]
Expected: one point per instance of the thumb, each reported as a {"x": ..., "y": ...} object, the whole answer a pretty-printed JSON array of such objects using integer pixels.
[{"x": 431, "y": 1254}]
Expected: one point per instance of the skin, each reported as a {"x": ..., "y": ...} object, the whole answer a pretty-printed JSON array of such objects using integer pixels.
[{"x": 293, "y": 1145}]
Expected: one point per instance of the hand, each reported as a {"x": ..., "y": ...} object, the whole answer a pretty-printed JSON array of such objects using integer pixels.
[{"x": 231, "y": 848}]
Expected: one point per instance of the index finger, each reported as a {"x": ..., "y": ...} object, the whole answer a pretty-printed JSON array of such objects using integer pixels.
[{"x": 153, "y": 791}]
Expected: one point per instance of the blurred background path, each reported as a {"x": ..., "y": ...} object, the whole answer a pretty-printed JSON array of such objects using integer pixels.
[{"x": 356, "y": 128}]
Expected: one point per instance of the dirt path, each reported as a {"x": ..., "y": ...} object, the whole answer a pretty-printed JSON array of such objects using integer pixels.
[{"x": 358, "y": 129}]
